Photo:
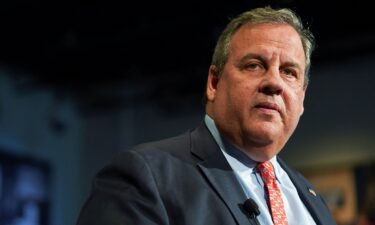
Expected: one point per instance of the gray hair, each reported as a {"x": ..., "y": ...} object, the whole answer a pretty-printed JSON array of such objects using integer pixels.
[{"x": 259, "y": 16}]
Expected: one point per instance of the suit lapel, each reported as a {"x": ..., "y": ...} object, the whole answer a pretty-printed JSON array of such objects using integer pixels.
[
  {"x": 218, "y": 172},
  {"x": 309, "y": 197}
]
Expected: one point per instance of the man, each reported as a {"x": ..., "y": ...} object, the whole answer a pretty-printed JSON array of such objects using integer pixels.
[{"x": 254, "y": 98}]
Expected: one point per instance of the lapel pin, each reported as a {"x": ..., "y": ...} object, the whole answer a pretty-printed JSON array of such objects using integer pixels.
[{"x": 312, "y": 192}]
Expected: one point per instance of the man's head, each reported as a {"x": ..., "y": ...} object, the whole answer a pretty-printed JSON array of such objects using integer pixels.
[
  {"x": 258, "y": 16},
  {"x": 258, "y": 78}
]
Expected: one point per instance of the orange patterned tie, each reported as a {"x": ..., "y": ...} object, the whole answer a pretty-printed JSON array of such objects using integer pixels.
[{"x": 275, "y": 202}]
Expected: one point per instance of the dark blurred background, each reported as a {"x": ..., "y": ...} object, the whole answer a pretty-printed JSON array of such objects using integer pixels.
[{"x": 82, "y": 80}]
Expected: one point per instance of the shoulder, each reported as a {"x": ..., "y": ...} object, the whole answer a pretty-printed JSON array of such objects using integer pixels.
[
  {"x": 172, "y": 148},
  {"x": 165, "y": 145},
  {"x": 141, "y": 162},
  {"x": 180, "y": 146}
]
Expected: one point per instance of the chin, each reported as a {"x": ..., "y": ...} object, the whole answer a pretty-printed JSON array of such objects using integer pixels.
[
  {"x": 262, "y": 137},
  {"x": 261, "y": 155},
  {"x": 262, "y": 146}
]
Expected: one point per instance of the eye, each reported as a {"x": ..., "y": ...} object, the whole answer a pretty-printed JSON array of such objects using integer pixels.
[
  {"x": 253, "y": 66},
  {"x": 289, "y": 73}
]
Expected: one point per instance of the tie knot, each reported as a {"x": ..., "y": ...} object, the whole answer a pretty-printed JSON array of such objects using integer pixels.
[{"x": 265, "y": 170}]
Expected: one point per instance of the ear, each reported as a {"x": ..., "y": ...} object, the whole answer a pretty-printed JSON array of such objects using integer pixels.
[{"x": 212, "y": 81}]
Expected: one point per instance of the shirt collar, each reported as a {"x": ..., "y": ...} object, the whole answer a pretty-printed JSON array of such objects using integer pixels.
[{"x": 237, "y": 159}]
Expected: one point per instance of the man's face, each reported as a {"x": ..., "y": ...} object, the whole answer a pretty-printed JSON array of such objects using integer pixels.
[{"x": 258, "y": 99}]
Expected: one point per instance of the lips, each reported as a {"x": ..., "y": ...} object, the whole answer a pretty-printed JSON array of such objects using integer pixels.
[{"x": 268, "y": 105}]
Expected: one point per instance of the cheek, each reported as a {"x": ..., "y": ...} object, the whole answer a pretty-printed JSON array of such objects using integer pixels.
[
  {"x": 242, "y": 95},
  {"x": 236, "y": 92},
  {"x": 295, "y": 105}
]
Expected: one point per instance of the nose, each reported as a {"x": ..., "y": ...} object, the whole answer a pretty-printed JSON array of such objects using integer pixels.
[{"x": 271, "y": 83}]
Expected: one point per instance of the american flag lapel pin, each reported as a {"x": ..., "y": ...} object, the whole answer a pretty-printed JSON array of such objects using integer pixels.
[{"x": 312, "y": 192}]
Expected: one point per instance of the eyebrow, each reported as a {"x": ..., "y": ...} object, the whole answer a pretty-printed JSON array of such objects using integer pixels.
[
  {"x": 253, "y": 56},
  {"x": 292, "y": 64},
  {"x": 264, "y": 60}
]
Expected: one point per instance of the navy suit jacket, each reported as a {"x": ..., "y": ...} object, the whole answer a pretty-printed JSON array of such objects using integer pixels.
[{"x": 184, "y": 180}]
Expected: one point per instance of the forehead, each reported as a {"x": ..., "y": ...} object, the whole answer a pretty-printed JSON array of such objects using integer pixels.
[{"x": 268, "y": 39}]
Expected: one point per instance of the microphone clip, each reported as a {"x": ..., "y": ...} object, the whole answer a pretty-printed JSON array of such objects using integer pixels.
[{"x": 252, "y": 210}]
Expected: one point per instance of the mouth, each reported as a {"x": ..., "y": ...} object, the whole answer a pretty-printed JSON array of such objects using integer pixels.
[{"x": 268, "y": 106}]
